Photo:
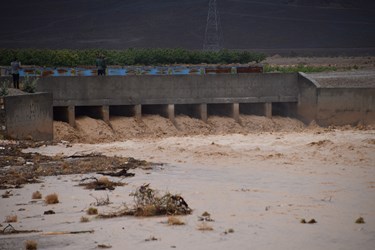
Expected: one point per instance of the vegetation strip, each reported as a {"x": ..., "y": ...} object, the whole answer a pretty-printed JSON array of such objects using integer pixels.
[{"x": 73, "y": 58}]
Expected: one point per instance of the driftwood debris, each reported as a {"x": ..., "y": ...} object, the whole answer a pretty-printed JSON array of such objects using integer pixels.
[
  {"x": 69, "y": 232},
  {"x": 7, "y": 194},
  {"x": 49, "y": 212},
  {"x": 84, "y": 155},
  {"x": 9, "y": 229},
  {"x": 121, "y": 173},
  {"x": 104, "y": 246},
  {"x": 102, "y": 183},
  {"x": 132, "y": 163}
]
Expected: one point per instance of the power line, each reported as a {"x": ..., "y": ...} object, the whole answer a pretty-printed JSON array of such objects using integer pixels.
[{"x": 213, "y": 37}]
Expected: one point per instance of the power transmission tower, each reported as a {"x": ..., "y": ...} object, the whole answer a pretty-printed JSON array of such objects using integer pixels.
[{"x": 213, "y": 37}]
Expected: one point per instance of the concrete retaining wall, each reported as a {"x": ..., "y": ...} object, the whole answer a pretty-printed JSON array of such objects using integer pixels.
[
  {"x": 179, "y": 89},
  {"x": 29, "y": 116},
  {"x": 307, "y": 99},
  {"x": 342, "y": 106},
  {"x": 335, "y": 106}
]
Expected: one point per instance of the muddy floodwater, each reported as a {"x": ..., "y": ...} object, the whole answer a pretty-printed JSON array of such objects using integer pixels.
[{"x": 257, "y": 188}]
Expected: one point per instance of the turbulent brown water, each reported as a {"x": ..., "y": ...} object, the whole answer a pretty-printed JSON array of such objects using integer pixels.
[{"x": 89, "y": 130}]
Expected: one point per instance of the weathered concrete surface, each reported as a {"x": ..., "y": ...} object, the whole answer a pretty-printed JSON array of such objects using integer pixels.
[
  {"x": 350, "y": 104},
  {"x": 345, "y": 79},
  {"x": 335, "y": 105},
  {"x": 29, "y": 116},
  {"x": 179, "y": 89},
  {"x": 307, "y": 98},
  {"x": 342, "y": 106}
]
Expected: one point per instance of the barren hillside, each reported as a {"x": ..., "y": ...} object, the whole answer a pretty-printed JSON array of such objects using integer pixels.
[{"x": 274, "y": 26}]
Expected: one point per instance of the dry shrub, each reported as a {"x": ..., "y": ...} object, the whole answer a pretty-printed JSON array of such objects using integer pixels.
[
  {"x": 84, "y": 219},
  {"x": 360, "y": 220},
  {"x": 204, "y": 227},
  {"x": 100, "y": 201},
  {"x": 151, "y": 238},
  {"x": 36, "y": 195},
  {"x": 148, "y": 202},
  {"x": 92, "y": 211},
  {"x": 51, "y": 199},
  {"x": 11, "y": 218},
  {"x": 31, "y": 245},
  {"x": 147, "y": 210},
  {"x": 312, "y": 221},
  {"x": 206, "y": 214},
  {"x": 103, "y": 180},
  {"x": 174, "y": 221}
]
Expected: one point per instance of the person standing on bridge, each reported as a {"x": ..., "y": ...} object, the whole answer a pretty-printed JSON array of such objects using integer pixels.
[
  {"x": 101, "y": 65},
  {"x": 15, "y": 71}
]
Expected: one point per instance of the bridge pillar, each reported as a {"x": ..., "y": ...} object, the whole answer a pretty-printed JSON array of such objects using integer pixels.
[
  {"x": 138, "y": 111},
  {"x": 203, "y": 112},
  {"x": 236, "y": 112},
  {"x": 71, "y": 116},
  {"x": 171, "y": 113},
  {"x": 268, "y": 109},
  {"x": 104, "y": 113}
]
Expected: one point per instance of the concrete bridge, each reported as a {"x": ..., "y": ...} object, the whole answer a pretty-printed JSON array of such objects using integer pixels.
[
  {"x": 195, "y": 95},
  {"x": 199, "y": 96}
]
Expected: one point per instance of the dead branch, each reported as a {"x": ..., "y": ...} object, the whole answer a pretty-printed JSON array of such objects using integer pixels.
[
  {"x": 123, "y": 172},
  {"x": 100, "y": 201},
  {"x": 9, "y": 229},
  {"x": 68, "y": 232},
  {"x": 89, "y": 178}
]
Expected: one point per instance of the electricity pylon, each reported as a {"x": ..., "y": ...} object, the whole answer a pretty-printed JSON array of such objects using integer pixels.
[{"x": 213, "y": 37}]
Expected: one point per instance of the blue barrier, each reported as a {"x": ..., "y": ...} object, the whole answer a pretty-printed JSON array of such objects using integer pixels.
[
  {"x": 111, "y": 71},
  {"x": 133, "y": 70}
]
